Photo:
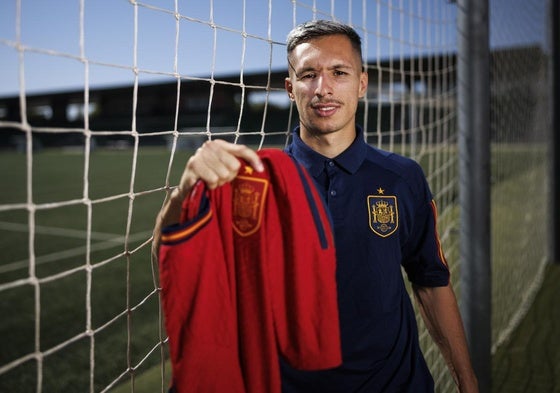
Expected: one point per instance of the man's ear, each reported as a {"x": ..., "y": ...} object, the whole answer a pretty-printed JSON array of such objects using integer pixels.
[
  {"x": 363, "y": 83},
  {"x": 289, "y": 88}
]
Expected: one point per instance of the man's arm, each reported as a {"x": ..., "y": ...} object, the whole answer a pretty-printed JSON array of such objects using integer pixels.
[
  {"x": 439, "y": 309},
  {"x": 215, "y": 163}
]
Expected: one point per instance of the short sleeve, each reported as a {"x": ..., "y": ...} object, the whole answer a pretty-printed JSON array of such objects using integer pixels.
[{"x": 423, "y": 258}]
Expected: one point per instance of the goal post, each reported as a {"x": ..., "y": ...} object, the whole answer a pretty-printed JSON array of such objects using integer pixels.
[
  {"x": 473, "y": 72},
  {"x": 102, "y": 102}
]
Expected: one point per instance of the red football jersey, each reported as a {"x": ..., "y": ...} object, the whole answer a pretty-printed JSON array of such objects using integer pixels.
[{"x": 248, "y": 276}]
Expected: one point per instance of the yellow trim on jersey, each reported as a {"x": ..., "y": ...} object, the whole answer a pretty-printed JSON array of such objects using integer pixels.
[
  {"x": 440, "y": 249},
  {"x": 186, "y": 232}
]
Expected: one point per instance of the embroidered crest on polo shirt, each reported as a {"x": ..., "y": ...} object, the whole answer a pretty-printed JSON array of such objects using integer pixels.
[
  {"x": 249, "y": 194},
  {"x": 383, "y": 213}
]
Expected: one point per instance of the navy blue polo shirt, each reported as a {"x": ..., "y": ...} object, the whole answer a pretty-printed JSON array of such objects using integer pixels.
[{"x": 384, "y": 219}]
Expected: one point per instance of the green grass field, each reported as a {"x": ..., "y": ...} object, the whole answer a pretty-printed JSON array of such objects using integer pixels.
[
  {"x": 107, "y": 283},
  {"x": 122, "y": 284},
  {"x": 530, "y": 360}
]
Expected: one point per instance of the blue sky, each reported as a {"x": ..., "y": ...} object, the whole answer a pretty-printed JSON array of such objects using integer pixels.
[{"x": 50, "y": 32}]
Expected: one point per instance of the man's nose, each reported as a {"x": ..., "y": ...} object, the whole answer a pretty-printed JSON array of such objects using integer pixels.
[{"x": 323, "y": 87}]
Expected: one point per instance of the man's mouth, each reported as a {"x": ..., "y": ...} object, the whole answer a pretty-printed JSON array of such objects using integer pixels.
[{"x": 325, "y": 110}]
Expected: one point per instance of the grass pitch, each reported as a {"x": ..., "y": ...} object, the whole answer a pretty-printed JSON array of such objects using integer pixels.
[{"x": 86, "y": 309}]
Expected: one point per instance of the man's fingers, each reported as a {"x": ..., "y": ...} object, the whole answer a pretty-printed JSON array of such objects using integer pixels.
[
  {"x": 217, "y": 162},
  {"x": 243, "y": 152}
]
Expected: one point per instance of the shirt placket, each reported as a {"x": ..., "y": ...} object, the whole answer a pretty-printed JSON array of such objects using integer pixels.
[{"x": 333, "y": 190}]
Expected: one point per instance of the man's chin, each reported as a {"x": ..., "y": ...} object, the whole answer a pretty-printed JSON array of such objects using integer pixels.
[{"x": 324, "y": 127}]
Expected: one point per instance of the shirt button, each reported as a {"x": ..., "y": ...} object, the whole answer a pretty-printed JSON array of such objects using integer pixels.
[
  {"x": 333, "y": 193},
  {"x": 331, "y": 163}
]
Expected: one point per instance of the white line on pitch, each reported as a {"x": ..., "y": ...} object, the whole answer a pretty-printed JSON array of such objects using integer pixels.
[
  {"x": 72, "y": 252},
  {"x": 76, "y": 233}
]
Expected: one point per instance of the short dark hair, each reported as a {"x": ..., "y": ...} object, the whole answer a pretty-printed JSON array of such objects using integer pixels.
[{"x": 321, "y": 28}]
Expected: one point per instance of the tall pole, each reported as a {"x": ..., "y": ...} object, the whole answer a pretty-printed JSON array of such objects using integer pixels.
[
  {"x": 473, "y": 83},
  {"x": 554, "y": 23}
]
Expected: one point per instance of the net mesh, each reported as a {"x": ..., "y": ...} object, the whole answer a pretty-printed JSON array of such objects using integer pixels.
[
  {"x": 89, "y": 155},
  {"x": 520, "y": 122}
]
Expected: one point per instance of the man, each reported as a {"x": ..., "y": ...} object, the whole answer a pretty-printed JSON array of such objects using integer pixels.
[{"x": 383, "y": 219}]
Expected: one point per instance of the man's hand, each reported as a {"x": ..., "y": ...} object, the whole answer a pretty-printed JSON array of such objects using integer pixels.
[{"x": 215, "y": 163}]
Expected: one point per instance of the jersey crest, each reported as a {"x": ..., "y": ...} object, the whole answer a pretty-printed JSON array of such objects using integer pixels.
[
  {"x": 383, "y": 214},
  {"x": 249, "y": 195}
]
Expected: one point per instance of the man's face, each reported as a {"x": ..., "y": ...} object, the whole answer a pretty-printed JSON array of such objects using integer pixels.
[{"x": 326, "y": 81}]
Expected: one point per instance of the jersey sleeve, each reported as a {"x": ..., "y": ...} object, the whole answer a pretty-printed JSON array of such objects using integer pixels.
[
  {"x": 423, "y": 258},
  {"x": 305, "y": 296},
  {"x": 197, "y": 300}
]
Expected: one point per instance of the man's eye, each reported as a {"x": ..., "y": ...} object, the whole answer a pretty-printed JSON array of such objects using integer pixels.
[
  {"x": 339, "y": 73},
  {"x": 308, "y": 76}
]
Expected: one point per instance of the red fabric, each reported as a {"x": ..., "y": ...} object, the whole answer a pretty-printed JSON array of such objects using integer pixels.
[{"x": 246, "y": 278}]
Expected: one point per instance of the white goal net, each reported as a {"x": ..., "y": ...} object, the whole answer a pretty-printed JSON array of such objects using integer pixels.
[{"x": 101, "y": 104}]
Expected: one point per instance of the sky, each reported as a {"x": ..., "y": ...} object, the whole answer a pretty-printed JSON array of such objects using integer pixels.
[{"x": 47, "y": 47}]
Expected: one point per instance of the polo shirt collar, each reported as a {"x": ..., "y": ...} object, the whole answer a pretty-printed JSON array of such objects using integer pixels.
[{"x": 350, "y": 159}]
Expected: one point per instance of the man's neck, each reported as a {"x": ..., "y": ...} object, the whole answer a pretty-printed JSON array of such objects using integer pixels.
[{"x": 329, "y": 145}]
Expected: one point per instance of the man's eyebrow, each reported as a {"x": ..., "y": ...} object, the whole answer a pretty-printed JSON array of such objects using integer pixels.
[
  {"x": 339, "y": 66},
  {"x": 310, "y": 68}
]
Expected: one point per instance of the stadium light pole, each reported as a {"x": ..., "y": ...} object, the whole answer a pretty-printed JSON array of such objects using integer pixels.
[{"x": 473, "y": 98}]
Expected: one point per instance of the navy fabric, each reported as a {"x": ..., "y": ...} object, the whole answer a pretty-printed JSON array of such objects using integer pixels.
[{"x": 383, "y": 219}]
